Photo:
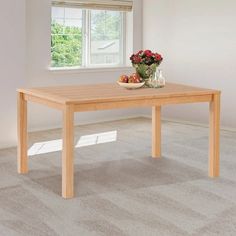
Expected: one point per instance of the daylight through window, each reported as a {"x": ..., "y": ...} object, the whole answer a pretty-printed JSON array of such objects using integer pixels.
[{"x": 86, "y": 38}]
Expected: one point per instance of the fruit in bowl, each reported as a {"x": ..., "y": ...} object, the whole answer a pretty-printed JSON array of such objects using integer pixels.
[
  {"x": 124, "y": 79},
  {"x": 135, "y": 78},
  {"x": 130, "y": 82}
]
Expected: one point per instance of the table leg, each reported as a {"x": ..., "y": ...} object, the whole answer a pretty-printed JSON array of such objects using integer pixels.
[
  {"x": 68, "y": 152},
  {"x": 22, "y": 156},
  {"x": 156, "y": 131},
  {"x": 214, "y": 149}
]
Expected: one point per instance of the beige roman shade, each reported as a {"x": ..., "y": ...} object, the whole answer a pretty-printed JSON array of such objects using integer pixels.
[{"x": 113, "y": 5}]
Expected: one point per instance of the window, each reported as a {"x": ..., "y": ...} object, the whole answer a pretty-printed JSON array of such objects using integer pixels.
[
  {"x": 87, "y": 38},
  {"x": 66, "y": 37}
]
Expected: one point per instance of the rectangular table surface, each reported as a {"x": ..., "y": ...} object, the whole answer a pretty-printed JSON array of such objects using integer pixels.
[
  {"x": 79, "y": 98},
  {"x": 111, "y": 92}
]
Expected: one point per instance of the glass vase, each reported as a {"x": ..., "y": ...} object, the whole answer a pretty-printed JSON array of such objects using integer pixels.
[
  {"x": 158, "y": 80},
  {"x": 161, "y": 79},
  {"x": 146, "y": 72}
]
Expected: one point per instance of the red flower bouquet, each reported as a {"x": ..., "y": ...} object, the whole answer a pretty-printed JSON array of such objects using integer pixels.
[
  {"x": 146, "y": 57},
  {"x": 145, "y": 63}
]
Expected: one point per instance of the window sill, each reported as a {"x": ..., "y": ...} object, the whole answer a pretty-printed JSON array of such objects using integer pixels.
[{"x": 76, "y": 70}]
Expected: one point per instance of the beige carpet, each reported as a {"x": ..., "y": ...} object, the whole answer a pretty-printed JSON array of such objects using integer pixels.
[{"x": 120, "y": 189}]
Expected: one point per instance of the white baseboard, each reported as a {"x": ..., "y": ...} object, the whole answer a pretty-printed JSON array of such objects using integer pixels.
[
  {"x": 186, "y": 122},
  {"x": 98, "y": 120},
  {"x": 101, "y": 120}
]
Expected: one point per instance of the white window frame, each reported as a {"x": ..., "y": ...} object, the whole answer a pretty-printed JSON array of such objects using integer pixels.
[{"x": 86, "y": 53}]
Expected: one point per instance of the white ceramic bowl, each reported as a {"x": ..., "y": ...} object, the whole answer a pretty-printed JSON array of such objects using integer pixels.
[{"x": 131, "y": 85}]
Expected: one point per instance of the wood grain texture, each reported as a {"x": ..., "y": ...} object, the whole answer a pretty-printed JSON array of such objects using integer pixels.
[
  {"x": 142, "y": 103},
  {"x": 68, "y": 152},
  {"x": 156, "y": 131},
  {"x": 43, "y": 101},
  {"x": 98, "y": 93},
  {"x": 72, "y": 99},
  {"x": 22, "y": 157},
  {"x": 214, "y": 139}
]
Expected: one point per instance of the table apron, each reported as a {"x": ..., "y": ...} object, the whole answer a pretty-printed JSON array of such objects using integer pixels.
[
  {"x": 43, "y": 101},
  {"x": 141, "y": 103},
  {"x": 93, "y": 106}
]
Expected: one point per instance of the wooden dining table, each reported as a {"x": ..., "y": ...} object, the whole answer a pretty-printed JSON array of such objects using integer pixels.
[{"x": 81, "y": 98}]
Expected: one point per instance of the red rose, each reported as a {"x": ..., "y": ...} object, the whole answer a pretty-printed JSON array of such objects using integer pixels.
[
  {"x": 137, "y": 60},
  {"x": 158, "y": 57},
  {"x": 146, "y": 57},
  {"x": 131, "y": 58},
  {"x": 148, "y": 53}
]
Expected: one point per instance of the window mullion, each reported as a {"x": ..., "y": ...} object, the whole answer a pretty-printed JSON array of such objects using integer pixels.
[
  {"x": 84, "y": 59},
  {"x": 88, "y": 37}
]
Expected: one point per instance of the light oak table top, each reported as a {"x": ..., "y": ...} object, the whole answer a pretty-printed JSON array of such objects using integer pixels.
[
  {"x": 71, "y": 99},
  {"x": 97, "y": 93}
]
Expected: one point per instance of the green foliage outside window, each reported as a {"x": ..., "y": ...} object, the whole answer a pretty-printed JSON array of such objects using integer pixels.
[
  {"x": 66, "y": 41},
  {"x": 66, "y": 45}
]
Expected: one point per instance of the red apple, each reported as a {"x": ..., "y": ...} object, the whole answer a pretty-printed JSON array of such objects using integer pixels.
[
  {"x": 131, "y": 79},
  {"x": 134, "y": 78},
  {"x": 137, "y": 80},
  {"x": 124, "y": 79}
]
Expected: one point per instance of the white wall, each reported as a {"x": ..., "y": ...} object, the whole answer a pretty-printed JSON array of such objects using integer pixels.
[
  {"x": 12, "y": 65},
  {"x": 24, "y": 62},
  {"x": 38, "y": 57},
  {"x": 198, "y": 41}
]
